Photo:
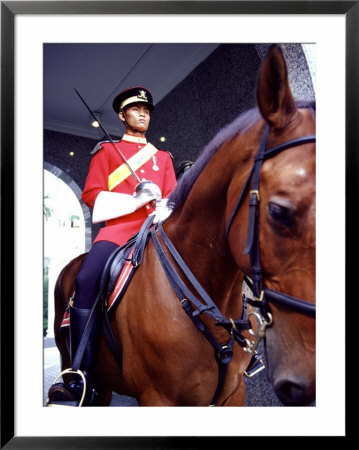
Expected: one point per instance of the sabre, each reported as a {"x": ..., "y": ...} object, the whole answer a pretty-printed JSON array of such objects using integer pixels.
[{"x": 110, "y": 139}]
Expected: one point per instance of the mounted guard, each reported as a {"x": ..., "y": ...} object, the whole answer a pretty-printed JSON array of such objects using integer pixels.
[
  {"x": 182, "y": 333},
  {"x": 127, "y": 180}
]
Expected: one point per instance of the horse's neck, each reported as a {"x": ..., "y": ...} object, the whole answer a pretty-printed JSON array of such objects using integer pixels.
[
  {"x": 198, "y": 232},
  {"x": 208, "y": 258}
]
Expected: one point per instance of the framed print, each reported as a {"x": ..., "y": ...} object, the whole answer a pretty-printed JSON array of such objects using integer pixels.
[{"x": 31, "y": 29}]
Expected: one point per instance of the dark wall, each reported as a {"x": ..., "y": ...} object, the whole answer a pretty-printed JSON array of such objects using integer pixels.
[
  {"x": 57, "y": 149},
  {"x": 215, "y": 93}
]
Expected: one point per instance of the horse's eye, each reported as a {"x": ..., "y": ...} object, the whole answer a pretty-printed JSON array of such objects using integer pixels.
[{"x": 280, "y": 213}]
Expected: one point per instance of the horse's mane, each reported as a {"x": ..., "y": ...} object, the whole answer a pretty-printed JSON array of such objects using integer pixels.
[{"x": 241, "y": 124}]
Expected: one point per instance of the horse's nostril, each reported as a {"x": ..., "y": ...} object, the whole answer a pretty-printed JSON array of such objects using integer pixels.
[{"x": 293, "y": 393}]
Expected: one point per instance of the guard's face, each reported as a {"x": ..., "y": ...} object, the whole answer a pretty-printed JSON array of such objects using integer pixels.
[{"x": 137, "y": 116}]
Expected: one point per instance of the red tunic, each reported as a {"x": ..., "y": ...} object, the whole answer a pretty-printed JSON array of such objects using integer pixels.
[{"x": 106, "y": 161}]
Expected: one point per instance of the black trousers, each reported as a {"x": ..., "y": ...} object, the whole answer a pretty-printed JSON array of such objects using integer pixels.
[{"x": 88, "y": 279}]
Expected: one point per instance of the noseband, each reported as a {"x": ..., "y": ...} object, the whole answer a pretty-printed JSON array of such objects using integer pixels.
[{"x": 263, "y": 295}]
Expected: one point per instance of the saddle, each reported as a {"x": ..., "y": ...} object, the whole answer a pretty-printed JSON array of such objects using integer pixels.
[
  {"x": 119, "y": 269},
  {"x": 116, "y": 277}
]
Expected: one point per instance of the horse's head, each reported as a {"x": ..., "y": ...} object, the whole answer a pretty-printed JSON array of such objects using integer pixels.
[{"x": 286, "y": 224}]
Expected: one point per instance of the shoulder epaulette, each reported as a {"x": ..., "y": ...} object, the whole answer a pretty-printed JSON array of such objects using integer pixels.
[
  {"x": 98, "y": 146},
  {"x": 161, "y": 149}
]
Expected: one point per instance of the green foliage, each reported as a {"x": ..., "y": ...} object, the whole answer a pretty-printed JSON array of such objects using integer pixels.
[{"x": 47, "y": 210}]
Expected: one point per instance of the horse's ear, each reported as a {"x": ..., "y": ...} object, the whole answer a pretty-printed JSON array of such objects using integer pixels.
[{"x": 274, "y": 96}]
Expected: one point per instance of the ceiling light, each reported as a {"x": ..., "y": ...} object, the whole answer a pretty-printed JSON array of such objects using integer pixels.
[
  {"x": 96, "y": 123},
  {"x": 162, "y": 139}
]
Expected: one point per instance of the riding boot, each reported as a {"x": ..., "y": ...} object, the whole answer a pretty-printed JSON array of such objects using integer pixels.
[
  {"x": 81, "y": 391},
  {"x": 78, "y": 321}
]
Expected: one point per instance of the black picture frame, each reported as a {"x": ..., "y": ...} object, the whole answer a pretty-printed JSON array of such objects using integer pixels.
[{"x": 9, "y": 9}]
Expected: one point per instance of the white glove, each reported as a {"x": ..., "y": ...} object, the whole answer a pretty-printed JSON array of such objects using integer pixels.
[
  {"x": 162, "y": 212},
  {"x": 147, "y": 191},
  {"x": 110, "y": 205},
  {"x": 147, "y": 194}
]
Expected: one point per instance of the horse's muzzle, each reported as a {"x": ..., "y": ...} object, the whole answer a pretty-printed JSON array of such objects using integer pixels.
[
  {"x": 294, "y": 392},
  {"x": 291, "y": 373}
]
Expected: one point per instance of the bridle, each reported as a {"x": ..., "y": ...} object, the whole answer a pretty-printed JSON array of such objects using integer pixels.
[
  {"x": 261, "y": 294},
  {"x": 196, "y": 301}
]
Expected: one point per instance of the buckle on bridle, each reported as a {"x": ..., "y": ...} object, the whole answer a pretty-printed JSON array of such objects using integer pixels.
[
  {"x": 255, "y": 366},
  {"x": 260, "y": 298},
  {"x": 225, "y": 354},
  {"x": 263, "y": 324}
]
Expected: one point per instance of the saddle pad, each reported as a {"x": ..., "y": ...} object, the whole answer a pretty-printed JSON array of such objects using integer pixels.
[
  {"x": 122, "y": 283},
  {"x": 66, "y": 319}
]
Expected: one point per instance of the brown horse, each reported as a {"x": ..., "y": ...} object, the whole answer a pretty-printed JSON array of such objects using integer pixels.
[{"x": 165, "y": 359}]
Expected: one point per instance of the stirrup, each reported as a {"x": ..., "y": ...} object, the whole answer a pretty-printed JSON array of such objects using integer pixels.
[
  {"x": 255, "y": 366},
  {"x": 79, "y": 372}
]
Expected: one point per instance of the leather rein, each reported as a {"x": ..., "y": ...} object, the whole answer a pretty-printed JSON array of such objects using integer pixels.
[{"x": 200, "y": 302}]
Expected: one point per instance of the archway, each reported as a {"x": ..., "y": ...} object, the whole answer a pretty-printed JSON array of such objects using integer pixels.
[{"x": 67, "y": 232}]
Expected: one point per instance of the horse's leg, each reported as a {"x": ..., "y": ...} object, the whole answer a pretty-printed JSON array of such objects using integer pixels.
[
  {"x": 235, "y": 389},
  {"x": 62, "y": 335},
  {"x": 64, "y": 288},
  {"x": 238, "y": 396},
  {"x": 154, "y": 397},
  {"x": 109, "y": 374},
  {"x": 104, "y": 396}
]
